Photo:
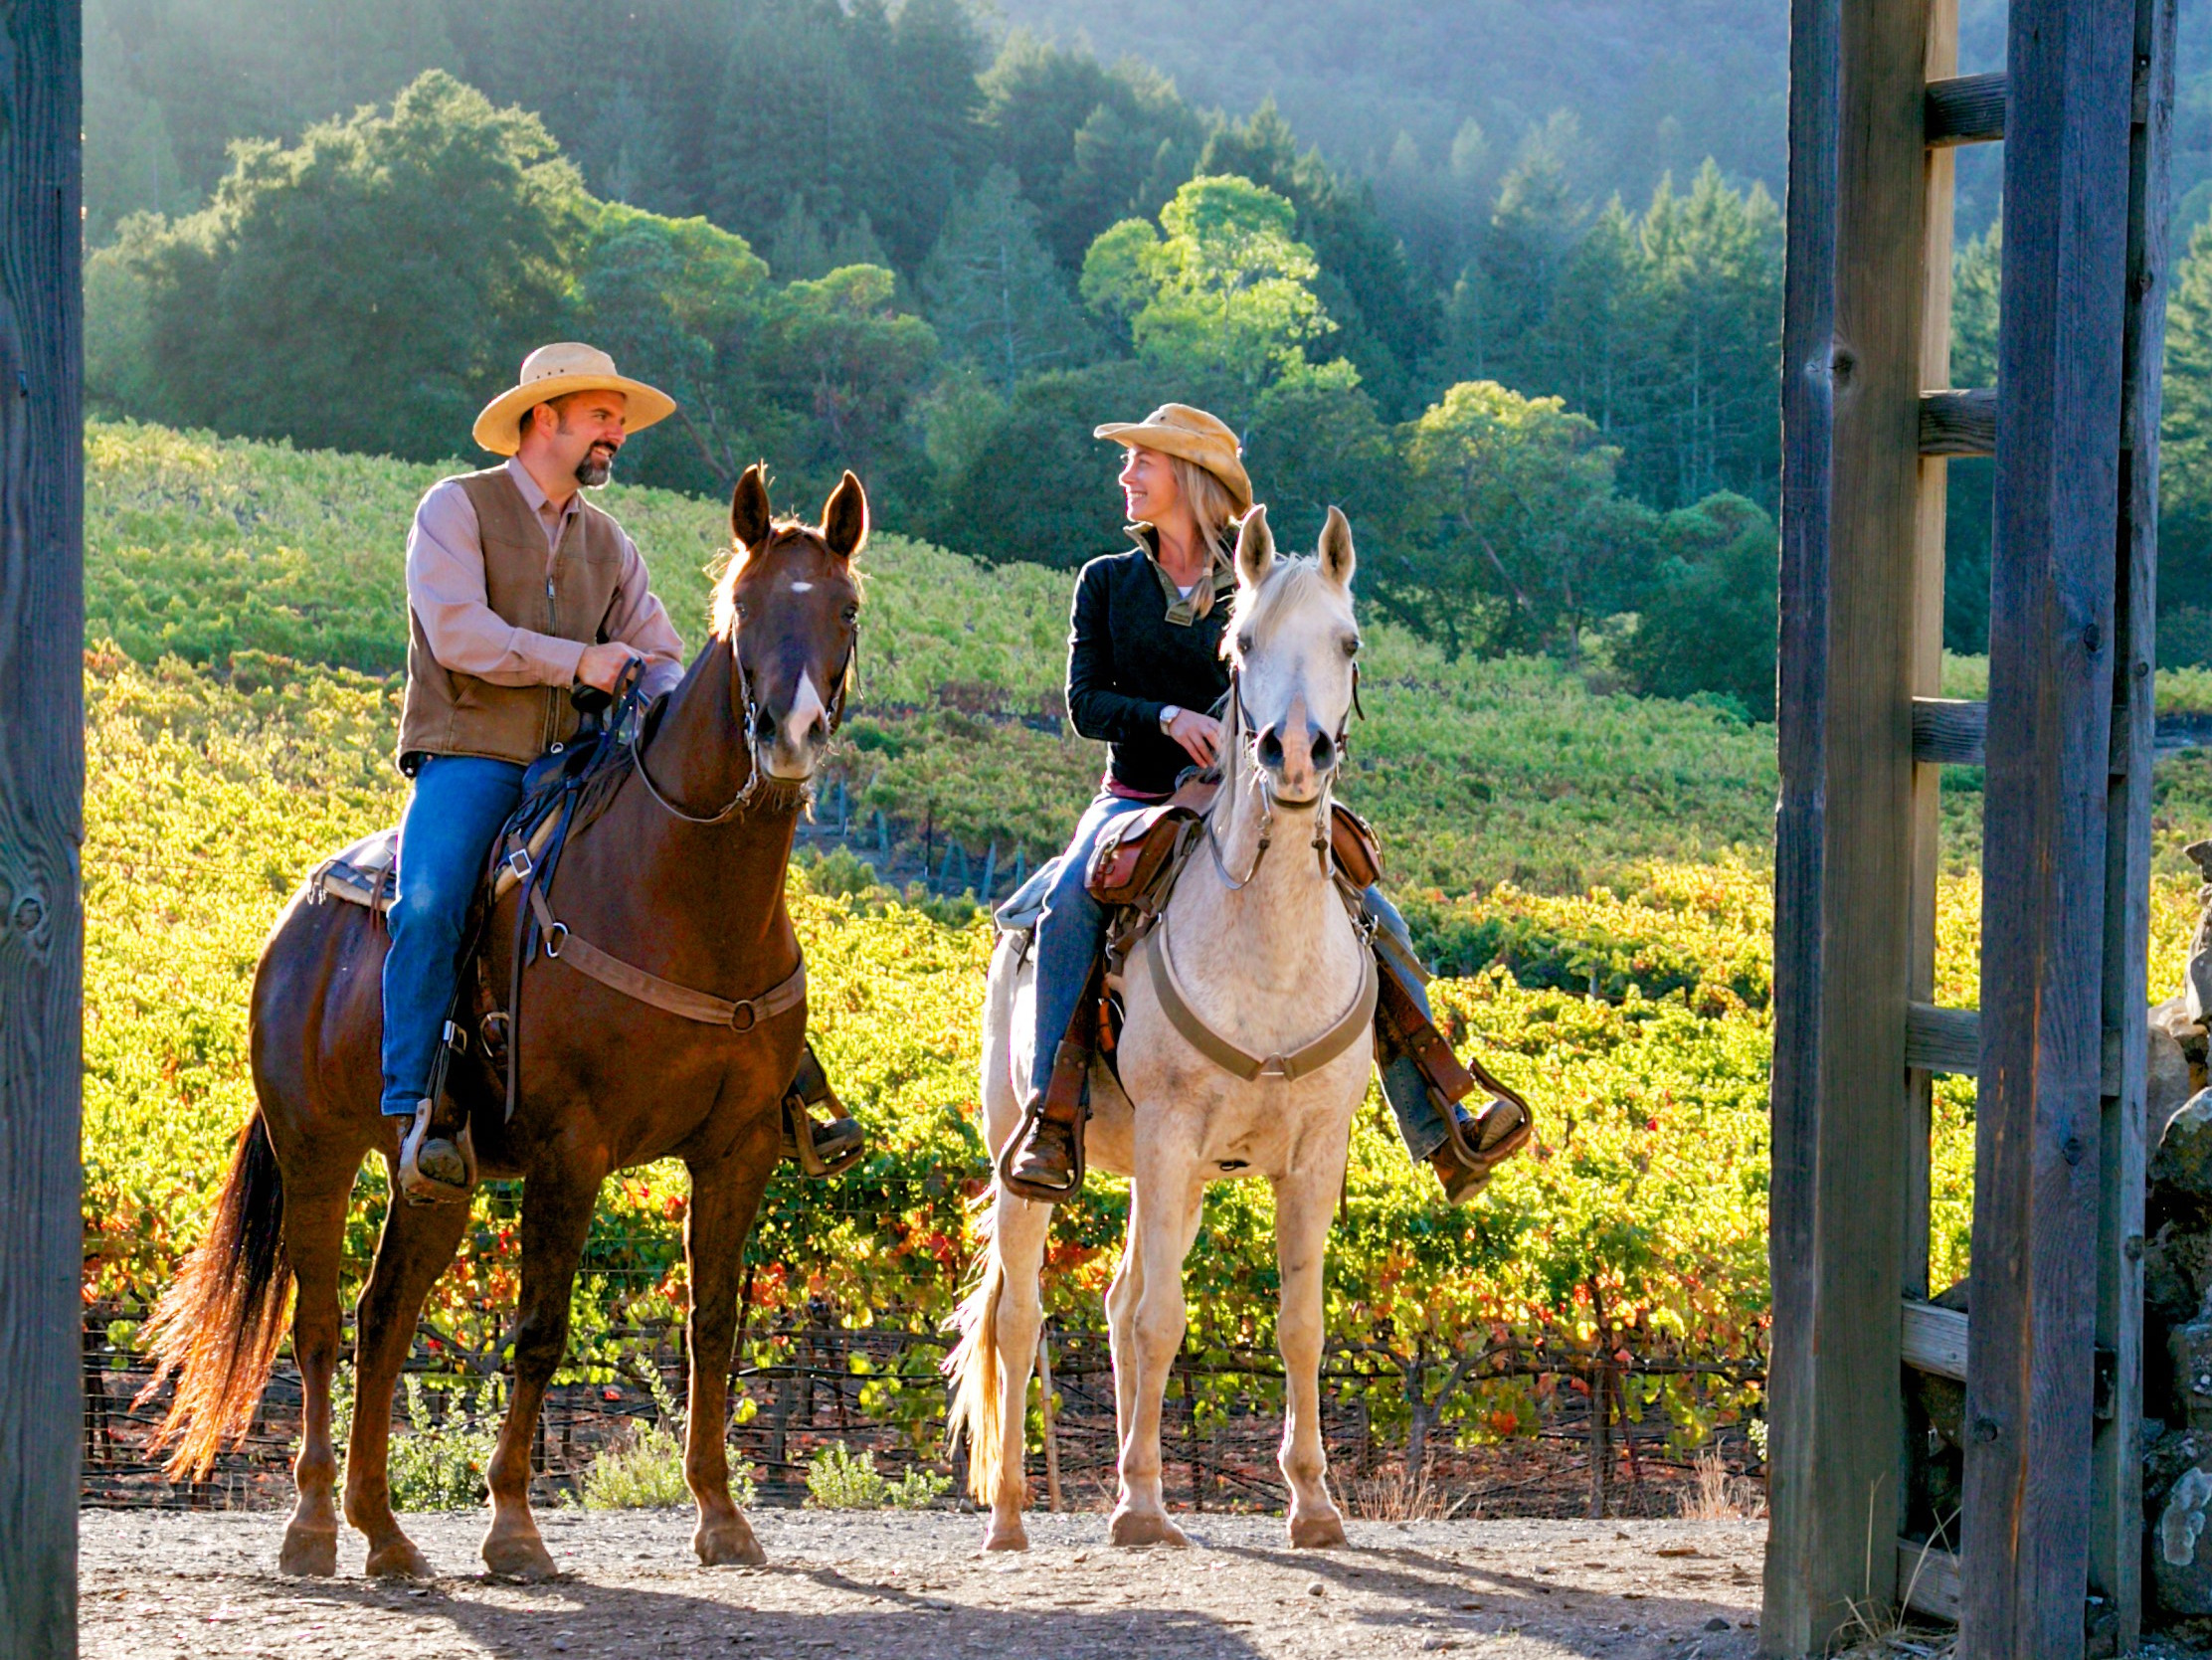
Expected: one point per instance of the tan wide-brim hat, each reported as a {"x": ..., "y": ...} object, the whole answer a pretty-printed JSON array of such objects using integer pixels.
[
  {"x": 1194, "y": 436},
  {"x": 553, "y": 372}
]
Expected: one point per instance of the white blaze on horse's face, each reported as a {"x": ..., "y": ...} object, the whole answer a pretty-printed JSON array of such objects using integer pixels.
[
  {"x": 804, "y": 730},
  {"x": 1294, "y": 640}
]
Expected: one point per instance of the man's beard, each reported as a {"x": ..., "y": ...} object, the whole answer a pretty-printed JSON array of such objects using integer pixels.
[{"x": 595, "y": 468}]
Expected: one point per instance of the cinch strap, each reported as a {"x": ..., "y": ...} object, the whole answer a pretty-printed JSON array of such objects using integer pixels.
[{"x": 587, "y": 959}]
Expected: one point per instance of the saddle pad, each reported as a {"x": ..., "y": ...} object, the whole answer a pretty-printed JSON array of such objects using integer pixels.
[{"x": 365, "y": 873}]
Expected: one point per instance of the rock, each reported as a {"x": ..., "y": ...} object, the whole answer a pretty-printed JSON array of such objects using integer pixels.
[
  {"x": 2181, "y": 1570},
  {"x": 2169, "y": 1079},
  {"x": 2182, "y": 1165},
  {"x": 2178, "y": 1266},
  {"x": 2191, "y": 1349},
  {"x": 1716, "y": 1623}
]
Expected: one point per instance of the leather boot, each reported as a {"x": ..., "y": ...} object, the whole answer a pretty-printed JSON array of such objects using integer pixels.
[
  {"x": 823, "y": 1148},
  {"x": 1476, "y": 1147},
  {"x": 437, "y": 1167},
  {"x": 1046, "y": 1159}
]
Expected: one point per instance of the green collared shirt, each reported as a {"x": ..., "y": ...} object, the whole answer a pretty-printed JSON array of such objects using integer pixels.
[{"x": 1183, "y": 608}]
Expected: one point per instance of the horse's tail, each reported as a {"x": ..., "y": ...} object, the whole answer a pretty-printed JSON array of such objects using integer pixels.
[
  {"x": 217, "y": 1327},
  {"x": 973, "y": 1367}
]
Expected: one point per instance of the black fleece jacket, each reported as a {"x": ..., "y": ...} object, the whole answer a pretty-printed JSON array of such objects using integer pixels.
[{"x": 1126, "y": 663}]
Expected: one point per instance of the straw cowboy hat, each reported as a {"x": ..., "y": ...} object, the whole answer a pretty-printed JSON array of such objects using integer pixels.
[
  {"x": 553, "y": 372},
  {"x": 1194, "y": 436}
]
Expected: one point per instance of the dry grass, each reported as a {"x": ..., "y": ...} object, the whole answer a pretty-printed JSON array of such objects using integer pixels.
[
  {"x": 1398, "y": 1495},
  {"x": 1719, "y": 1495}
]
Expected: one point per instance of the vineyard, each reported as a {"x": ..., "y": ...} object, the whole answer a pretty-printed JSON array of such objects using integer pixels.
[{"x": 1590, "y": 867}]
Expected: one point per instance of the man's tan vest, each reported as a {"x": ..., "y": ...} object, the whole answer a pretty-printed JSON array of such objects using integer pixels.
[{"x": 452, "y": 713}]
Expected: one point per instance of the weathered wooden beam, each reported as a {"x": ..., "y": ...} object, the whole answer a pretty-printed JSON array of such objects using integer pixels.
[
  {"x": 1943, "y": 1040},
  {"x": 1928, "y": 1578},
  {"x": 1959, "y": 422},
  {"x": 1933, "y": 1340},
  {"x": 1948, "y": 731},
  {"x": 1842, "y": 1109},
  {"x": 42, "y": 786},
  {"x": 2115, "y": 1456},
  {"x": 2039, "y": 1120},
  {"x": 1965, "y": 109}
]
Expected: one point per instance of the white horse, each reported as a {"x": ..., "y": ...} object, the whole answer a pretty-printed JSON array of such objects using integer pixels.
[{"x": 1245, "y": 1052}]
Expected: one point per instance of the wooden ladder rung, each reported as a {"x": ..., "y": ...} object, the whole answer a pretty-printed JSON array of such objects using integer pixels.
[
  {"x": 1928, "y": 1578},
  {"x": 1950, "y": 731},
  {"x": 1939, "y": 1040},
  {"x": 1954, "y": 732},
  {"x": 1959, "y": 421},
  {"x": 1943, "y": 1040},
  {"x": 1935, "y": 1340},
  {"x": 1965, "y": 109}
]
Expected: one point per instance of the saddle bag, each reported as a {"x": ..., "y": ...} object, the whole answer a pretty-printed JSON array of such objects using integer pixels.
[
  {"x": 1354, "y": 846},
  {"x": 1133, "y": 851}
]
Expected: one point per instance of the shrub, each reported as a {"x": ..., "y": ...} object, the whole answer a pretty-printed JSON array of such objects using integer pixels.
[
  {"x": 835, "y": 1480},
  {"x": 644, "y": 1470}
]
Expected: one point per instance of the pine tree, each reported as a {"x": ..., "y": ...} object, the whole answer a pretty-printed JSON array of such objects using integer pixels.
[{"x": 993, "y": 293}]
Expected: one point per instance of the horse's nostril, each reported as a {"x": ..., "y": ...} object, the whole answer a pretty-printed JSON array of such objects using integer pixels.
[
  {"x": 764, "y": 726},
  {"x": 1271, "y": 747},
  {"x": 1324, "y": 750}
]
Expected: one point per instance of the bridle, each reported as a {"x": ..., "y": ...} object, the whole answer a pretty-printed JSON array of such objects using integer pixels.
[
  {"x": 748, "y": 723},
  {"x": 1243, "y": 731}
]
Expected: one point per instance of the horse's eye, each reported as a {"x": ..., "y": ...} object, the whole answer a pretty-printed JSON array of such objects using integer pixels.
[
  {"x": 742, "y": 608},
  {"x": 1352, "y": 645},
  {"x": 851, "y": 614},
  {"x": 1244, "y": 643}
]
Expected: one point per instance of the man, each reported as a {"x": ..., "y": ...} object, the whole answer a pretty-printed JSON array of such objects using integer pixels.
[{"x": 519, "y": 590}]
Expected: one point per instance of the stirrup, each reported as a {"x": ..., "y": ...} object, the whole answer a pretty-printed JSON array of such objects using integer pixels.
[
  {"x": 1484, "y": 1160},
  {"x": 419, "y": 1188},
  {"x": 822, "y": 1150},
  {"x": 1040, "y": 1193}
]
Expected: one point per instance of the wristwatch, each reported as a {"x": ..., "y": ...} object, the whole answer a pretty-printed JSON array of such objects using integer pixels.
[{"x": 1168, "y": 714}]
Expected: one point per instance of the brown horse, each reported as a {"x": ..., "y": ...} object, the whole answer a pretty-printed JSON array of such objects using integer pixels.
[{"x": 660, "y": 881}]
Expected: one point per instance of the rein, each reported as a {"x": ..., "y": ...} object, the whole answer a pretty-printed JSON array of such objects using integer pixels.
[{"x": 1174, "y": 1002}]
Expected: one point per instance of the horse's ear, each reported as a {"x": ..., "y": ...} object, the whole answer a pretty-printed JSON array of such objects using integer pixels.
[
  {"x": 1256, "y": 548},
  {"x": 749, "y": 513},
  {"x": 1337, "y": 559},
  {"x": 845, "y": 519}
]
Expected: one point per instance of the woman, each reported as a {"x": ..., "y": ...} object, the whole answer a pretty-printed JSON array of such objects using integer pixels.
[{"x": 1144, "y": 667}]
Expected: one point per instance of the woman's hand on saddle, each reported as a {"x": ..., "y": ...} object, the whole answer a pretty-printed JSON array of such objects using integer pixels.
[
  {"x": 1200, "y": 735},
  {"x": 602, "y": 666}
]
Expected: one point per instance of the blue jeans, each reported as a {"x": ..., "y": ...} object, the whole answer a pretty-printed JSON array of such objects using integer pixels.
[
  {"x": 1069, "y": 935},
  {"x": 459, "y": 803},
  {"x": 1072, "y": 931}
]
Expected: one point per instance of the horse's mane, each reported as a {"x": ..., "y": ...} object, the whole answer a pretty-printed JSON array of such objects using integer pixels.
[{"x": 1290, "y": 583}]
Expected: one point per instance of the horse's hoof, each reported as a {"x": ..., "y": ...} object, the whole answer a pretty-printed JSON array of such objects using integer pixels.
[
  {"x": 519, "y": 1556},
  {"x": 1004, "y": 1536},
  {"x": 1139, "y": 1527},
  {"x": 728, "y": 1545},
  {"x": 310, "y": 1552},
  {"x": 399, "y": 1561},
  {"x": 1321, "y": 1532}
]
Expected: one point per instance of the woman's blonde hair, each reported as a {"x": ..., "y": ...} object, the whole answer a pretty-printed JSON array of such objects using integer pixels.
[{"x": 1213, "y": 511}]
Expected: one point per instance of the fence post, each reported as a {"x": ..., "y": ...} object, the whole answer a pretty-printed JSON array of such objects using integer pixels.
[
  {"x": 42, "y": 787},
  {"x": 1051, "y": 1437}
]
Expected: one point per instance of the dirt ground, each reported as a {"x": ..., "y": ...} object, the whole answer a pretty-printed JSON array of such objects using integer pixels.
[{"x": 910, "y": 1586}]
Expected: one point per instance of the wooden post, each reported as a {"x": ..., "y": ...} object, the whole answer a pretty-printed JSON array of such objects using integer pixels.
[
  {"x": 1051, "y": 1437},
  {"x": 2039, "y": 1129},
  {"x": 42, "y": 787},
  {"x": 2115, "y": 1474},
  {"x": 1845, "y": 842}
]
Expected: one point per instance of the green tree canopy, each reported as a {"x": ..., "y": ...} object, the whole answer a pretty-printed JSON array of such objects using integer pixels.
[
  {"x": 1223, "y": 290},
  {"x": 1514, "y": 537},
  {"x": 1709, "y": 621},
  {"x": 368, "y": 288},
  {"x": 992, "y": 292}
]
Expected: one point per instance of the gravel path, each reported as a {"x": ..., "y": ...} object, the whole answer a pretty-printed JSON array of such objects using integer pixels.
[{"x": 909, "y": 1587}]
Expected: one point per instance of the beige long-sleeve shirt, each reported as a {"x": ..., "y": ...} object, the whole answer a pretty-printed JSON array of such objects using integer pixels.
[{"x": 445, "y": 590}]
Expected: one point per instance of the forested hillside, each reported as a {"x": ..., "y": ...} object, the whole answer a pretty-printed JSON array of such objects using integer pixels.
[{"x": 1532, "y": 348}]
